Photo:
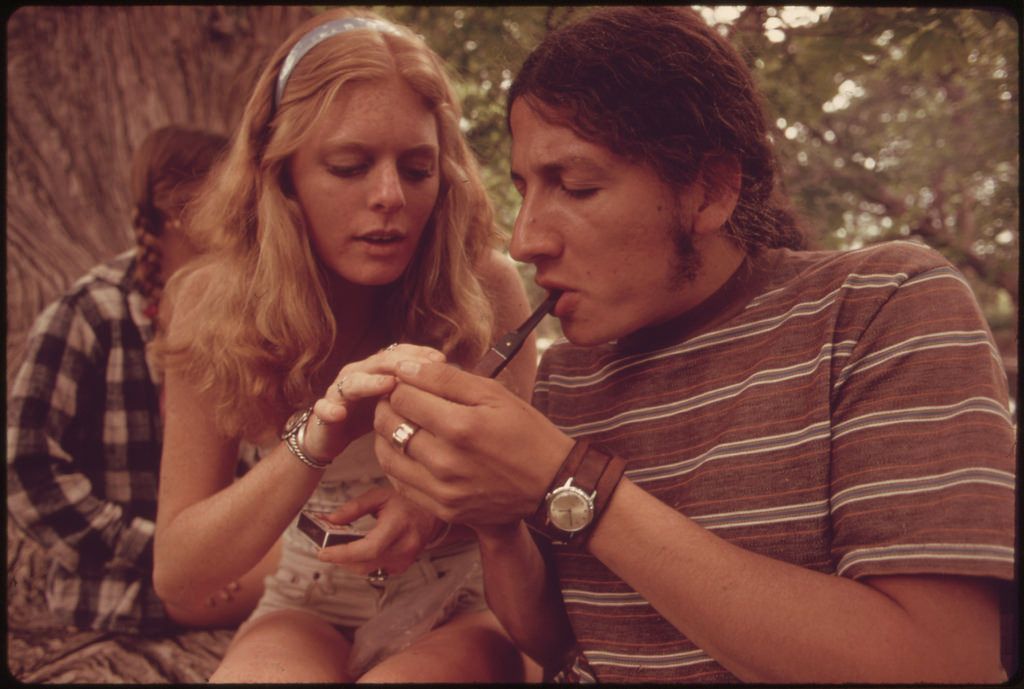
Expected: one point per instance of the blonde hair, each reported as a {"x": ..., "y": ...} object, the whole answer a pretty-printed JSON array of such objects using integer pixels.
[{"x": 261, "y": 323}]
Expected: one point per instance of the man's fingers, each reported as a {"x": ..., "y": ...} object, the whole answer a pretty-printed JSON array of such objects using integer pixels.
[
  {"x": 395, "y": 463},
  {"x": 418, "y": 497},
  {"x": 417, "y": 459},
  {"x": 443, "y": 380},
  {"x": 415, "y": 478},
  {"x": 443, "y": 400}
]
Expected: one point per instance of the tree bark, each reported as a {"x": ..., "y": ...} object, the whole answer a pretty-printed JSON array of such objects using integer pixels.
[{"x": 85, "y": 86}]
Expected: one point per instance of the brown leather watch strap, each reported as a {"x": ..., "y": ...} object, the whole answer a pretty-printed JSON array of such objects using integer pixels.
[
  {"x": 606, "y": 486},
  {"x": 591, "y": 468}
]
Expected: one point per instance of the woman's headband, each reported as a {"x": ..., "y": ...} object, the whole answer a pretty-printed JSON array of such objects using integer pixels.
[{"x": 319, "y": 34}]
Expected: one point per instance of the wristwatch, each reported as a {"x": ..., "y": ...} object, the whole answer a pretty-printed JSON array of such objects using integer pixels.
[
  {"x": 578, "y": 495},
  {"x": 294, "y": 438},
  {"x": 569, "y": 507}
]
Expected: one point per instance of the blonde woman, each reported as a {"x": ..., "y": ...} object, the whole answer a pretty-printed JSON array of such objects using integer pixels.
[{"x": 347, "y": 216}]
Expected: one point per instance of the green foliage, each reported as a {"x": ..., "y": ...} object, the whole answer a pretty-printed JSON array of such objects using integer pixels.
[{"x": 903, "y": 123}]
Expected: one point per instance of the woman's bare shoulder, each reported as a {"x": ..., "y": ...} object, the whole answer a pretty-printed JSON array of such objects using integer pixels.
[{"x": 186, "y": 289}]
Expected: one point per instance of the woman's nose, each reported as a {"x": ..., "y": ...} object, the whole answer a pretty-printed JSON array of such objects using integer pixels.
[{"x": 386, "y": 193}]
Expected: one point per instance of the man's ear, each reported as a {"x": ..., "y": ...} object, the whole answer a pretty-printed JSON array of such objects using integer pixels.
[{"x": 719, "y": 182}]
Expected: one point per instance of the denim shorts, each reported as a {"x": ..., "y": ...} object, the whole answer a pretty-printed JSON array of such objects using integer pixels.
[{"x": 347, "y": 600}]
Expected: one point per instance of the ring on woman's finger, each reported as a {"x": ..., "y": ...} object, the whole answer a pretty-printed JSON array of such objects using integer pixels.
[
  {"x": 340, "y": 385},
  {"x": 378, "y": 577},
  {"x": 390, "y": 346},
  {"x": 401, "y": 436}
]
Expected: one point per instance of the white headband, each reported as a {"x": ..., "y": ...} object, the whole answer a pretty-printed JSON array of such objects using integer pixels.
[{"x": 321, "y": 33}]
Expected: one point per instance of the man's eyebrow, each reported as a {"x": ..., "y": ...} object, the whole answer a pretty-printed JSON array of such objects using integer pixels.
[{"x": 556, "y": 167}]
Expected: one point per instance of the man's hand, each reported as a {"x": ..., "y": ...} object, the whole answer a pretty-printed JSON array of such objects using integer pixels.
[{"x": 481, "y": 454}]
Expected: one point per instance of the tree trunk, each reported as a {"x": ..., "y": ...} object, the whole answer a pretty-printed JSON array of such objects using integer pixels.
[{"x": 85, "y": 86}]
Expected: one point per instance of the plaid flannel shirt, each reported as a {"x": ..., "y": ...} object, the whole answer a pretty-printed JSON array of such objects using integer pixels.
[{"x": 83, "y": 451}]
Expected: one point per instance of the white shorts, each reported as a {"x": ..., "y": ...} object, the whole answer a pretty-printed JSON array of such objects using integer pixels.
[{"x": 347, "y": 600}]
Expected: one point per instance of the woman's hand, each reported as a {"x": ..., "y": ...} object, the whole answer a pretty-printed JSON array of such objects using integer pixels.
[
  {"x": 345, "y": 411},
  {"x": 396, "y": 540}
]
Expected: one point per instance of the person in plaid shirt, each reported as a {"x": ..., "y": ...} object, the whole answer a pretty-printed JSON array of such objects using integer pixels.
[{"x": 84, "y": 425}]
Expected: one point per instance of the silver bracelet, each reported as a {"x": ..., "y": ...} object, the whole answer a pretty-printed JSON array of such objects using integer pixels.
[{"x": 296, "y": 442}]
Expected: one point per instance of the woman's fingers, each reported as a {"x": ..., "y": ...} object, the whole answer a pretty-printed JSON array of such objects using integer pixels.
[
  {"x": 395, "y": 541},
  {"x": 385, "y": 546},
  {"x": 370, "y": 378},
  {"x": 359, "y": 385},
  {"x": 365, "y": 503},
  {"x": 386, "y": 360}
]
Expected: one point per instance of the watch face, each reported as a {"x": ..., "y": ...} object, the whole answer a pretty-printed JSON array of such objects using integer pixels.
[
  {"x": 293, "y": 423},
  {"x": 570, "y": 509}
]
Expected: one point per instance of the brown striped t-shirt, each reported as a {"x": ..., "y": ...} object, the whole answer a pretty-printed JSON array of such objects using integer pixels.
[{"x": 846, "y": 412}]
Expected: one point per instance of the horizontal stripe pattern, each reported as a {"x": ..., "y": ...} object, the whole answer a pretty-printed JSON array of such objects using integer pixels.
[
  {"x": 926, "y": 551},
  {"x": 717, "y": 338},
  {"x": 934, "y": 414},
  {"x": 802, "y": 369},
  {"x": 757, "y": 328},
  {"x": 647, "y": 661},
  {"x": 784, "y": 441},
  {"x": 818, "y": 509},
  {"x": 851, "y": 419},
  {"x": 922, "y": 484},
  {"x": 603, "y": 599},
  {"x": 945, "y": 340}
]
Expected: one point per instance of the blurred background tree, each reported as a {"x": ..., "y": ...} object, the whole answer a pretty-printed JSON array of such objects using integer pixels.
[
  {"x": 85, "y": 85},
  {"x": 890, "y": 123}
]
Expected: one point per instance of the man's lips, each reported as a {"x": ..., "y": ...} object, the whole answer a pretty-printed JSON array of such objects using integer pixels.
[
  {"x": 552, "y": 286},
  {"x": 560, "y": 307}
]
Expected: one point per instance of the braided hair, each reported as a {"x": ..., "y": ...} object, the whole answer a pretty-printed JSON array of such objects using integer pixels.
[{"x": 167, "y": 171}]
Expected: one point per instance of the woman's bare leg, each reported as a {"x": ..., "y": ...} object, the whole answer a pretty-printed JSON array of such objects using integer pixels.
[
  {"x": 470, "y": 648},
  {"x": 285, "y": 646}
]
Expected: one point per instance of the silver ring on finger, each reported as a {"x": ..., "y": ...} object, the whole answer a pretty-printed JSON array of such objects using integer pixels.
[
  {"x": 378, "y": 577},
  {"x": 401, "y": 436},
  {"x": 390, "y": 346},
  {"x": 340, "y": 386}
]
